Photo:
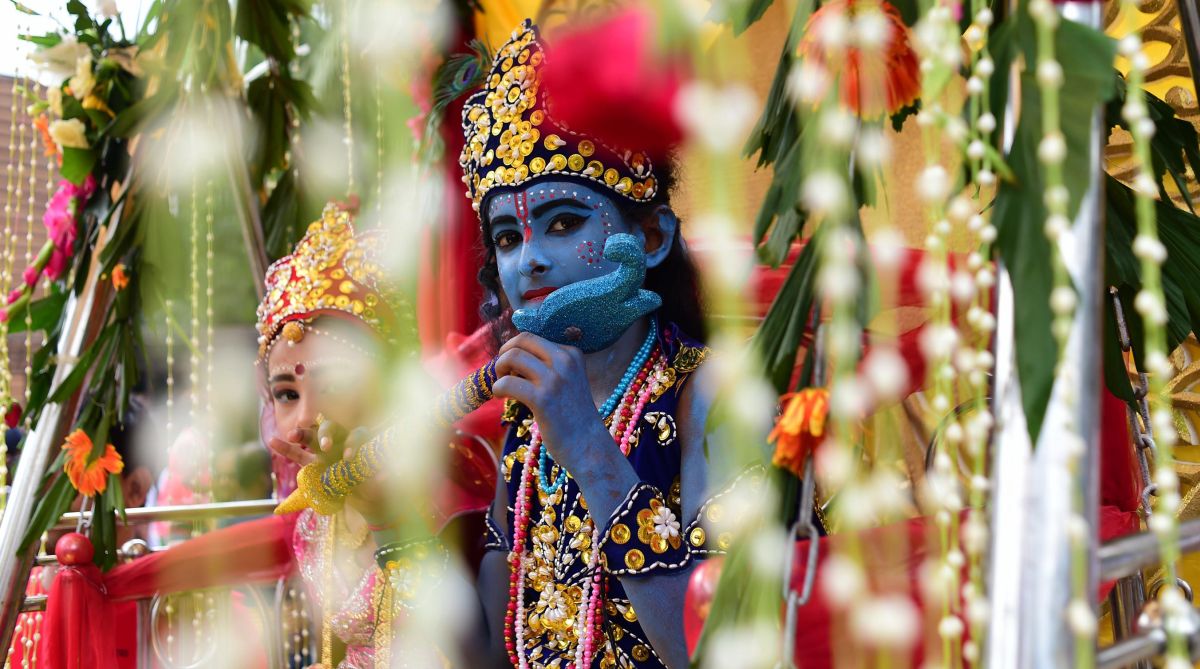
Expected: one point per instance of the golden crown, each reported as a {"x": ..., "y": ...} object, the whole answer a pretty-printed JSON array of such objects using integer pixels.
[
  {"x": 512, "y": 138},
  {"x": 332, "y": 270}
]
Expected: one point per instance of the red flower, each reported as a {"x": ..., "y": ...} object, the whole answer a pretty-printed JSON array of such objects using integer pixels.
[
  {"x": 15, "y": 294},
  {"x": 89, "y": 476},
  {"x": 31, "y": 275},
  {"x": 874, "y": 85},
  {"x": 800, "y": 429},
  {"x": 606, "y": 81},
  {"x": 12, "y": 417}
]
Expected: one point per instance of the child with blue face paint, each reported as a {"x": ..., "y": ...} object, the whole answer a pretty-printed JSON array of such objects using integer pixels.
[{"x": 603, "y": 479}]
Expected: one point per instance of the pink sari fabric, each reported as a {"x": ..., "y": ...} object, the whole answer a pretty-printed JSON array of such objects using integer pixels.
[{"x": 348, "y": 600}]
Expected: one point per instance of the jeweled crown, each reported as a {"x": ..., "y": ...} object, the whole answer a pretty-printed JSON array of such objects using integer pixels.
[
  {"x": 334, "y": 270},
  {"x": 512, "y": 137}
]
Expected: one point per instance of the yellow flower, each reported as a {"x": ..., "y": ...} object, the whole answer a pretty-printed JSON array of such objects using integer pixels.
[
  {"x": 89, "y": 478},
  {"x": 69, "y": 134},
  {"x": 93, "y": 101},
  {"x": 800, "y": 428},
  {"x": 119, "y": 278}
]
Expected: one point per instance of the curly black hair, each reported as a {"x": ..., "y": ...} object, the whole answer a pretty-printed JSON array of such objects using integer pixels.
[{"x": 675, "y": 279}]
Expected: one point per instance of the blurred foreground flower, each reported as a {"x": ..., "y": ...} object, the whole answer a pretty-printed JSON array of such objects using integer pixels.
[
  {"x": 800, "y": 429},
  {"x": 89, "y": 476},
  {"x": 69, "y": 134},
  {"x": 12, "y": 417},
  {"x": 864, "y": 45},
  {"x": 607, "y": 81}
]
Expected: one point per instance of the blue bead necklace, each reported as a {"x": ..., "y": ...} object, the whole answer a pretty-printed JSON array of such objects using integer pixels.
[{"x": 545, "y": 462}]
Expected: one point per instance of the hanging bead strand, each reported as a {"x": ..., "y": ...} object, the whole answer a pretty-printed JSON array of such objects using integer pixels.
[
  {"x": 6, "y": 246},
  {"x": 209, "y": 332},
  {"x": 30, "y": 207},
  {"x": 1150, "y": 304},
  {"x": 346, "y": 102},
  {"x": 19, "y": 198}
]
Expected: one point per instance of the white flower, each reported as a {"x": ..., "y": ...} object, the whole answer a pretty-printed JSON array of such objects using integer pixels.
[
  {"x": 842, "y": 580},
  {"x": 1081, "y": 619},
  {"x": 108, "y": 8},
  {"x": 1050, "y": 74},
  {"x": 1150, "y": 306},
  {"x": 719, "y": 117},
  {"x": 824, "y": 192},
  {"x": 808, "y": 82},
  {"x": 987, "y": 122},
  {"x": 665, "y": 524},
  {"x": 1062, "y": 300},
  {"x": 872, "y": 29},
  {"x": 1149, "y": 248},
  {"x": 59, "y": 60},
  {"x": 976, "y": 150},
  {"x": 874, "y": 149},
  {"x": 887, "y": 373},
  {"x": 69, "y": 134},
  {"x": 890, "y": 621},
  {"x": 83, "y": 82},
  {"x": 933, "y": 184},
  {"x": 1052, "y": 149}
]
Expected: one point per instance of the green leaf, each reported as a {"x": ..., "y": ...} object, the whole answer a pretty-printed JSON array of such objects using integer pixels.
[
  {"x": 44, "y": 313},
  {"x": 1086, "y": 56},
  {"x": 778, "y": 339},
  {"x": 77, "y": 164},
  {"x": 742, "y": 15},
  {"x": 24, "y": 9},
  {"x": 70, "y": 384},
  {"x": 48, "y": 40},
  {"x": 50, "y": 507}
]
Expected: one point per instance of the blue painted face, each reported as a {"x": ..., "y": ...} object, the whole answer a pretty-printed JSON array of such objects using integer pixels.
[{"x": 550, "y": 234}]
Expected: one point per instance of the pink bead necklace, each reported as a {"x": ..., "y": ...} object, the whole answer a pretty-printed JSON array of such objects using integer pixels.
[{"x": 625, "y": 419}]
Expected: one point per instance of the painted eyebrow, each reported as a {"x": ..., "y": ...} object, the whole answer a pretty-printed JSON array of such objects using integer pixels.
[
  {"x": 564, "y": 202},
  {"x": 281, "y": 378}
]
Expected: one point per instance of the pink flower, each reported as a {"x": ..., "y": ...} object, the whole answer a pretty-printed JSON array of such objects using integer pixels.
[
  {"x": 16, "y": 294},
  {"x": 57, "y": 263},
  {"x": 3, "y": 315},
  {"x": 31, "y": 275},
  {"x": 59, "y": 218}
]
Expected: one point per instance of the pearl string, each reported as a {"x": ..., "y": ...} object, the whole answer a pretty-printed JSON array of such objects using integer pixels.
[
  {"x": 31, "y": 205},
  {"x": 639, "y": 359}
]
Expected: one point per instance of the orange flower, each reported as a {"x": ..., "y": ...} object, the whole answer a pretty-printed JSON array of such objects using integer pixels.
[
  {"x": 882, "y": 81},
  {"x": 89, "y": 477},
  {"x": 42, "y": 123},
  {"x": 119, "y": 278},
  {"x": 800, "y": 429}
]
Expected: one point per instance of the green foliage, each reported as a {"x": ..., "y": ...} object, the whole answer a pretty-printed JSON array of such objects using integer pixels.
[{"x": 1086, "y": 56}]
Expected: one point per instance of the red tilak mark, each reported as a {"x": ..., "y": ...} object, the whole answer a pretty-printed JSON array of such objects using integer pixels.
[
  {"x": 523, "y": 215},
  {"x": 300, "y": 370}
]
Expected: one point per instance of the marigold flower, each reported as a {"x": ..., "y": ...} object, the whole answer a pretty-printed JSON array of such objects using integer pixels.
[
  {"x": 872, "y": 84},
  {"x": 119, "y": 278},
  {"x": 89, "y": 478},
  {"x": 800, "y": 429}
]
